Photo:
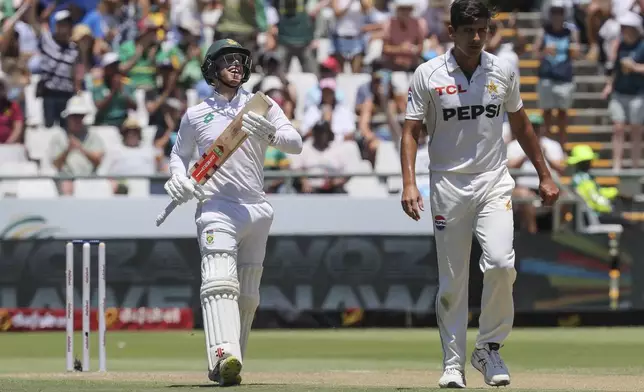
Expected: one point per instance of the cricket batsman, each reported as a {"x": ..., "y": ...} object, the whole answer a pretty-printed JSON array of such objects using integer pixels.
[
  {"x": 233, "y": 216},
  {"x": 462, "y": 97}
]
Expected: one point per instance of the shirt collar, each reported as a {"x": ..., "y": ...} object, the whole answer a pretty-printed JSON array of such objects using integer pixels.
[
  {"x": 450, "y": 61},
  {"x": 220, "y": 99}
]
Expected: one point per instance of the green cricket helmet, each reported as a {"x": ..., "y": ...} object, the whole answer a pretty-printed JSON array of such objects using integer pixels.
[{"x": 228, "y": 50}]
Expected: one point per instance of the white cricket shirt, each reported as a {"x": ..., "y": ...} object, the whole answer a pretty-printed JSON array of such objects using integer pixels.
[
  {"x": 464, "y": 118},
  {"x": 241, "y": 178}
]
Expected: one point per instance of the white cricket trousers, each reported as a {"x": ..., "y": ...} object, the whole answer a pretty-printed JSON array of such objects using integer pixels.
[
  {"x": 482, "y": 204},
  {"x": 238, "y": 228}
]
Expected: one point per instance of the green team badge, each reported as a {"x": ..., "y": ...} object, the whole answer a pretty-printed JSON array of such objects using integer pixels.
[
  {"x": 208, "y": 118},
  {"x": 210, "y": 237}
]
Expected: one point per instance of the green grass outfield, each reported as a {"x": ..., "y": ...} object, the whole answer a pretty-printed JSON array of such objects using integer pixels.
[{"x": 557, "y": 359}]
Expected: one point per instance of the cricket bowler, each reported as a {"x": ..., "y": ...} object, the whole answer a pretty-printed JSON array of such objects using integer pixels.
[
  {"x": 233, "y": 216},
  {"x": 462, "y": 97}
]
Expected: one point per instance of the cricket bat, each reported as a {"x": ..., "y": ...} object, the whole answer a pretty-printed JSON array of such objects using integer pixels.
[{"x": 222, "y": 148}]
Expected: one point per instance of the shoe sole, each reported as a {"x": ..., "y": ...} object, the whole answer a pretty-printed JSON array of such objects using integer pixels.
[
  {"x": 452, "y": 385},
  {"x": 501, "y": 383},
  {"x": 229, "y": 370}
]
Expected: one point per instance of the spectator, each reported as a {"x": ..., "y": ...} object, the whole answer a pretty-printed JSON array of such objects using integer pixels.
[
  {"x": 113, "y": 94},
  {"x": 103, "y": 23},
  {"x": 404, "y": 38},
  {"x": 598, "y": 199},
  {"x": 126, "y": 29},
  {"x": 556, "y": 46},
  {"x": 329, "y": 69},
  {"x": 11, "y": 117},
  {"x": 131, "y": 158},
  {"x": 138, "y": 58},
  {"x": 61, "y": 70},
  {"x": 82, "y": 37},
  {"x": 186, "y": 55},
  {"x": 378, "y": 114},
  {"x": 167, "y": 130},
  {"x": 320, "y": 156},
  {"x": 626, "y": 88},
  {"x": 242, "y": 21},
  {"x": 275, "y": 160},
  {"x": 341, "y": 118},
  {"x": 527, "y": 186},
  {"x": 75, "y": 152},
  {"x": 283, "y": 93},
  {"x": 295, "y": 31},
  {"x": 347, "y": 35}
]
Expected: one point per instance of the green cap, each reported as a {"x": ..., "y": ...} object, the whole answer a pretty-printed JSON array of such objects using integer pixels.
[
  {"x": 581, "y": 153},
  {"x": 223, "y": 46},
  {"x": 536, "y": 118}
]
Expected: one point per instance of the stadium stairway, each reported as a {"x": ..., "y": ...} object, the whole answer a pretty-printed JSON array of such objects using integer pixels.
[{"x": 589, "y": 121}]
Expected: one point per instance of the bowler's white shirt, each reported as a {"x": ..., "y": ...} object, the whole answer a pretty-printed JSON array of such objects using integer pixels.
[
  {"x": 241, "y": 178},
  {"x": 464, "y": 118}
]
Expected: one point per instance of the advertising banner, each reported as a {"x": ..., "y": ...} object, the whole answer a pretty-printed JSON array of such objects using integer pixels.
[
  {"x": 310, "y": 280},
  {"x": 29, "y": 319}
]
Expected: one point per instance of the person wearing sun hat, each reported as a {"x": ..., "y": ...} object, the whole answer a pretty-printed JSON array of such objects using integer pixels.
[{"x": 597, "y": 198}]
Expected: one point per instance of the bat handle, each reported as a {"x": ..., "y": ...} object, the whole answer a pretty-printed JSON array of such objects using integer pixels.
[{"x": 164, "y": 214}]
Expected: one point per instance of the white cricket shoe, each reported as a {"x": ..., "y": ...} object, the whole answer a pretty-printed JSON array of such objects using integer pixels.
[
  {"x": 488, "y": 361},
  {"x": 452, "y": 378}
]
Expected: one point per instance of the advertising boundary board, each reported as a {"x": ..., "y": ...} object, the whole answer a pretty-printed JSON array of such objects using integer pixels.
[{"x": 317, "y": 281}]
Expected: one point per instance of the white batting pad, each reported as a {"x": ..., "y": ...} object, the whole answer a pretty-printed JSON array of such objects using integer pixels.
[
  {"x": 249, "y": 279},
  {"x": 219, "y": 295}
]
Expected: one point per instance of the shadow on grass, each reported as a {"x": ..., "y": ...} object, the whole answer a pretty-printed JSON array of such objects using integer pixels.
[{"x": 213, "y": 385}]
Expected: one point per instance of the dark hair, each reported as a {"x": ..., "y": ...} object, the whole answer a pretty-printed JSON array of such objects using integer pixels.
[{"x": 466, "y": 12}]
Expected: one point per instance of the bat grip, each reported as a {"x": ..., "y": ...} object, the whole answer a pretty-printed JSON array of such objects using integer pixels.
[{"x": 164, "y": 214}]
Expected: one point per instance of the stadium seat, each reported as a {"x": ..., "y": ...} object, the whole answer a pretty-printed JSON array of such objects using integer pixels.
[
  {"x": 252, "y": 81},
  {"x": 93, "y": 188},
  {"x": 387, "y": 159},
  {"x": 192, "y": 97},
  {"x": 349, "y": 84},
  {"x": 352, "y": 152},
  {"x": 37, "y": 141},
  {"x": 324, "y": 49},
  {"x": 139, "y": 187},
  {"x": 141, "y": 111},
  {"x": 15, "y": 169},
  {"x": 42, "y": 188},
  {"x": 147, "y": 135},
  {"x": 303, "y": 82},
  {"x": 34, "y": 115},
  {"x": 109, "y": 134},
  {"x": 365, "y": 186},
  {"x": 13, "y": 153}
]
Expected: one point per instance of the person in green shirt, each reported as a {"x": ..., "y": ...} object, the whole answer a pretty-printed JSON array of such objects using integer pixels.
[
  {"x": 186, "y": 55},
  {"x": 275, "y": 160},
  {"x": 138, "y": 57},
  {"x": 113, "y": 94},
  {"x": 241, "y": 21}
]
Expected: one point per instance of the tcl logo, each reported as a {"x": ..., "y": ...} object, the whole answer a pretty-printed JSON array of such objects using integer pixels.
[
  {"x": 450, "y": 90},
  {"x": 471, "y": 112}
]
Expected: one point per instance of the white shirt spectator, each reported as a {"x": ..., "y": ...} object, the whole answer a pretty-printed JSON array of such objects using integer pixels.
[
  {"x": 349, "y": 24},
  {"x": 333, "y": 160},
  {"x": 552, "y": 151},
  {"x": 343, "y": 121},
  {"x": 132, "y": 161}
]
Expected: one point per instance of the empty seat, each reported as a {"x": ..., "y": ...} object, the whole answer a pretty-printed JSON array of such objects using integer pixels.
[
  {"x": 303, "y": 82},
  {"x": 387, "y": 158},
  {"x": 139, "y": 187},
  {"x": 351, "y": 152},
  {"x": 13, "y": 153},
  {"x": 38, "y": 140},
  {"x": 349, "y": 84},
  {"x": 42, "y": 188},
  {"x": 109, "y": 134},
  {"x": 93, "y": 188},
  {"x": 9, "y": 187},
  {"x": 365, "y": 186}
]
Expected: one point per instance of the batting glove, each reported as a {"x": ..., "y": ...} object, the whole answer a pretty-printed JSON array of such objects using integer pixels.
[
  {"x": 258, "y": 127},
  {"x": 181, "y": 189}
]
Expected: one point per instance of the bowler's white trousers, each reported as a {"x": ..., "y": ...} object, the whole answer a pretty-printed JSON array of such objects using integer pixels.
[{"x": 479, "y": 203}]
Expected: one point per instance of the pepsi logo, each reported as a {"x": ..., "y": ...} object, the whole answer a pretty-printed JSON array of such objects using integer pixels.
[{"x": 439, "y": 222}]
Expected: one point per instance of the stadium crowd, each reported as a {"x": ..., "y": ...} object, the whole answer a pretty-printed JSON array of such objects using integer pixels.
[{"x": 99, "y": 87}]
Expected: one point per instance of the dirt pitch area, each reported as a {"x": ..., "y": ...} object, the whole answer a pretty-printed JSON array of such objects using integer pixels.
[{"x": 399, "y": 379}]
